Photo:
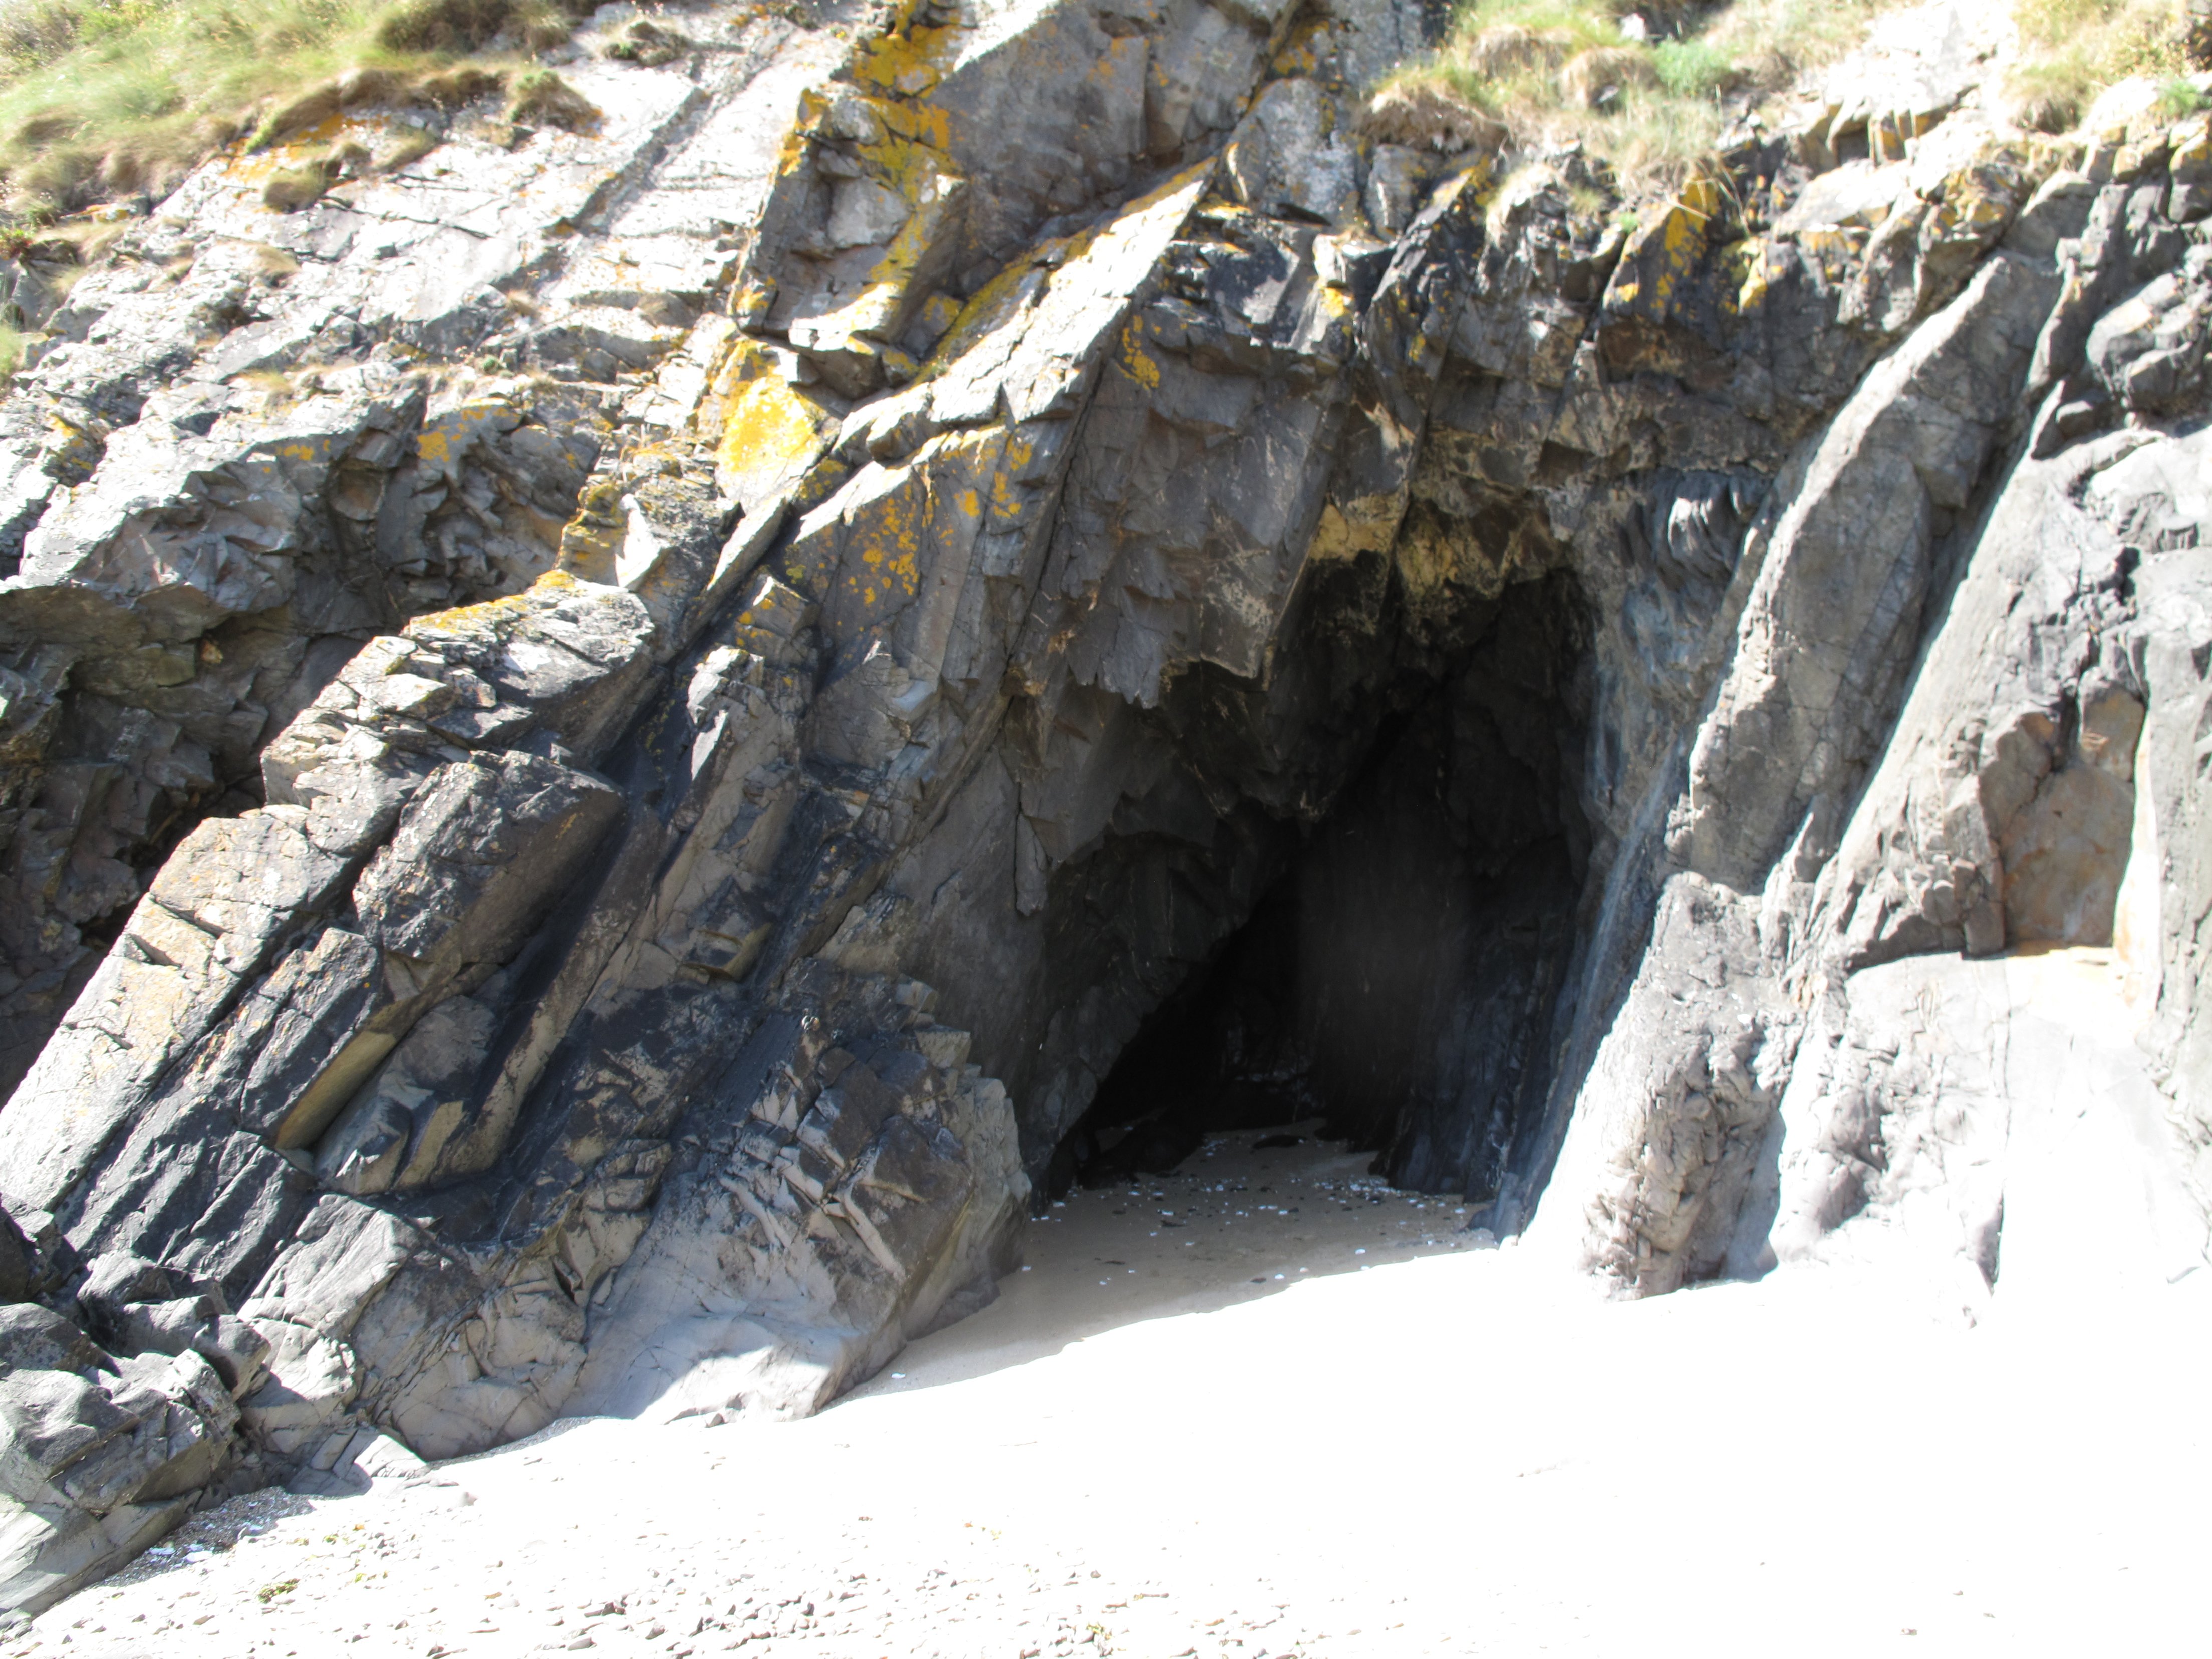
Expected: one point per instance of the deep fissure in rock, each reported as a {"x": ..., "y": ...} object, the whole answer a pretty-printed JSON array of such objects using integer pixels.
[{"x": 1398, "y": 973}]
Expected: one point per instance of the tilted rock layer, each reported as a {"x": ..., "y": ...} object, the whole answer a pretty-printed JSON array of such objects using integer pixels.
[{"x": 608, "y": 733}]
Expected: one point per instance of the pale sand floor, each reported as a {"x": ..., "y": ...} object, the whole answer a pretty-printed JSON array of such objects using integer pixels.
[{"x": 1455, "y": 1451}]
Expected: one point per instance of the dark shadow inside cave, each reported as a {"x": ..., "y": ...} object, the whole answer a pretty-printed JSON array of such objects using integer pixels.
[{"x": 1402, "y": 978}]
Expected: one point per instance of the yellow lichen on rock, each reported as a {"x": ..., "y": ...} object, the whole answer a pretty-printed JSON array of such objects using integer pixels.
[
  {"x": 496, "y": 616},
  {"x": 904, "y": 62},
  {"x": 1662, "y": 257},
  {"x": 591, "y": 541},
  {"x": 445, "y": 438},
  {"x": 1746, "y": 273},
  {"x": 772, "y": 430},
  {"x": 1135, "y": 361}
]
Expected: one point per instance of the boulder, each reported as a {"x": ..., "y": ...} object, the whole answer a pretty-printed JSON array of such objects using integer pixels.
[
  {"x": 36, "y": 1338},
  {"x": 94, "y": 1466}
]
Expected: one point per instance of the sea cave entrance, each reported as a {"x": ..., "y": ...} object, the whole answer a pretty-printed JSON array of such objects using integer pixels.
[{"x": 1400, "y": 977}]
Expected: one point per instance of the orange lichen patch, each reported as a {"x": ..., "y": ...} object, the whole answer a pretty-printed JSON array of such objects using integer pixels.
[
  {"x": 1975, "y": 205},
  {"x": 882, "y": 559},
  {"x": 663, "y": 458},
  {"x": 71, "y": 443},
  {"x": 905, "y": 61},
  {"x": 874, "y": 312},
  {"x": 1656, "y": 269},
  {"x": 891, "y": 73},
  {"x": 1837, "y": 250},
  {"x": 1746, "y": 272},
  {"x": 495, "y": 617},
  {"x": 823, "y": 480},
  {"x": 254, "y": 168},
  {"x": 909, "y": 167},
  {"x": 1136, "y": 361},
  {"x": 905, "y": 541},
  {"x": 1303, "y": 47},
  {"x": 990, "y": 307},
  {"x": 444, "y": 441},
  {"x": 791, "y": 154},
  {"x": 913, "y": 152},
  {"x": 592, "y": 542},
  {"x": 774, "y": 608},
  {"x": 1019, "y": 285},
  {"x": 913, "y": 123},
  {"x": 772, "y": 431},
  {"x": 1007, "y": 500},
  {"x": 1703, "y": 195}
]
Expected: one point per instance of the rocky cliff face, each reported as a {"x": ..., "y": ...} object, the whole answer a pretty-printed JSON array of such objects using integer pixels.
[{"x": 610, "y": 729}]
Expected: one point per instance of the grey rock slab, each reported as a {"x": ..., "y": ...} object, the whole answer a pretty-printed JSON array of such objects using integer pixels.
[
  {"x": 93, "y": 1469},
  {"x": 1671, "y": 1126},
  {"x": 1827, "y": 631},
  {"x": 2151, "y": 495},
  {"x": 1898, "y": 1110},
  {"x": 278, "y": 1066},
  {"x": 400, "y": 1131},
  {"x": 174, "y": 535},
  {"x": 231, "y": 890},
  {"x": 136, "y": 1306},
  {"x": 51, "y": 1550},
  {"x": 186, "y": 1187},
  {"x": 895, "y": 1178},
  {"x": 36, "y": 1338},
  {"x": 481, "y": 854},
  {"x": 311, "y": 1380},
  {"x": 339, "y": 1260},
  {"x": 1984, "y": 822},
  {"x": 574, "y": 654},
  {"x": 460, "y": 1354},
  {"x": 1982, "y": 1130},
  {"x": 917, "y": 603},
  {"x": 1288, "y": 158},
  {"x": 468, "y": 215}
]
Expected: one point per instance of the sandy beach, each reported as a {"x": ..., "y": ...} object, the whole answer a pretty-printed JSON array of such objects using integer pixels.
[{"x": 1267, "y": 1406}]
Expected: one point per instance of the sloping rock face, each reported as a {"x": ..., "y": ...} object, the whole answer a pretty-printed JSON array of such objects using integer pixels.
[{"x": 681, "y": 690}]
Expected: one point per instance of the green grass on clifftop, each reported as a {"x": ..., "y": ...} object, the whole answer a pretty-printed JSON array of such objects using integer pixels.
[
  {"x": 2071, "y": 50},
  {"x": 1528, "y": 74},
  {"x": 1552, "y": 72},
  {"x": 103, "y": 100}
]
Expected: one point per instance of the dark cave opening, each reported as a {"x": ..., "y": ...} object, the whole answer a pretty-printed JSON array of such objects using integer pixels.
[{"x": 1401, "y": 978}]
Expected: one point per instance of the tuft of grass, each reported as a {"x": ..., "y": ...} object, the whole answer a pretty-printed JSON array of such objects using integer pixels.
[
  {"x": 542, "y": 97},
  {"x": 104, "y": 99},
  {"x": 275, "y": 262},
  {"x": 298, "y": 187},
  {"x": 1538, "y": 74},
  {"x": 411, "y": 146},
  {"x": 2178, "y": 98},
  {"x": 1695, "y": 68}
]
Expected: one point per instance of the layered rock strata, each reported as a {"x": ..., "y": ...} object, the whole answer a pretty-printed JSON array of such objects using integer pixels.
[{"x": 612, "y": 729}]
